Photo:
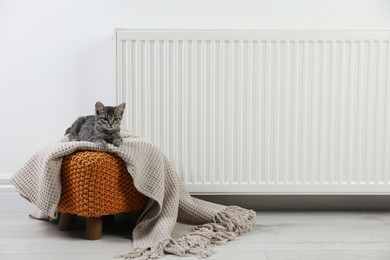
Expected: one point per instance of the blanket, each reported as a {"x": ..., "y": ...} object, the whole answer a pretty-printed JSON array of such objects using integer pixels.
[{"x": 173, "y": 222}]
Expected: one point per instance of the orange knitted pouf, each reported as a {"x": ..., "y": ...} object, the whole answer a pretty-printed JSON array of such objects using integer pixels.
[{"x": 96, "y": 184}]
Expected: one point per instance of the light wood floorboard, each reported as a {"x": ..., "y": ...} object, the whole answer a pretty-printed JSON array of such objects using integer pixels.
[{"x": 276, "y": 236}]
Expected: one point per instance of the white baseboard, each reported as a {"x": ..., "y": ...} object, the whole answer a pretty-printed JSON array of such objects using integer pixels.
[{"x": 10, "y": 200}]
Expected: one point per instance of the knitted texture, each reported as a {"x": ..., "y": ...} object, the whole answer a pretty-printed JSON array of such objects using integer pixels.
[
  {"x": 96, "y": 184},
  {"x": 172, "y": 222}
]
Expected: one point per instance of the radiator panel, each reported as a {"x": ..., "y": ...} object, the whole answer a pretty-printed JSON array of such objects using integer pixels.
[{"x": 262, "y": 111}]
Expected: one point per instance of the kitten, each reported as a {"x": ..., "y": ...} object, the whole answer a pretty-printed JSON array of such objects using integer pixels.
[{"x": 101, "y": 128}]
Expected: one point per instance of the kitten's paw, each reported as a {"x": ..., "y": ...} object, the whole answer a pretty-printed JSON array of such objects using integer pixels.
[
  {"x": 73, "y": 137},
  {"x": 117, "y": 142},
  {"x": 101, "y": 143}
]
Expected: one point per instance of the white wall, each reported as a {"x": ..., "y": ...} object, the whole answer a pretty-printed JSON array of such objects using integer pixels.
[{"x": 57, "y": 57}]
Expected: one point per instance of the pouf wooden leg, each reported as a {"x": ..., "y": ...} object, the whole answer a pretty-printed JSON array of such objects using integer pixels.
[
  {"x": 66, "y": 222},
  {"x": 94, "y": 228}
]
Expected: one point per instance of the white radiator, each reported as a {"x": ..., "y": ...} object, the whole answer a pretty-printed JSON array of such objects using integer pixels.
[{"x": 271, "y": 112}]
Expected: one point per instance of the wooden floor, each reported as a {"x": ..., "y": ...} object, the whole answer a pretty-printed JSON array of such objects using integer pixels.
[{"x": 276, "y": 236}]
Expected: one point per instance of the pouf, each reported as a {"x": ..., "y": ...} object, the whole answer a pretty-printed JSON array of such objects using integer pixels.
[{"x": 96, "y": 184}]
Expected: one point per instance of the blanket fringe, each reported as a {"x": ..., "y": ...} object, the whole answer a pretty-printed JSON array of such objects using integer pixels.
[
  {"x": 229, "y": 224},
  {"x": 236, "y": 219},
  {"x": 154, "y": 252}
]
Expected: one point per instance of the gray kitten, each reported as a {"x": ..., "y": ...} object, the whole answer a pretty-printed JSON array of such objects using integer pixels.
[{"x": 101, "y": 128}]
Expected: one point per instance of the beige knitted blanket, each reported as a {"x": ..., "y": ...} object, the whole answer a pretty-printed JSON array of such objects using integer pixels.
[{"x": 173, "y": 221}]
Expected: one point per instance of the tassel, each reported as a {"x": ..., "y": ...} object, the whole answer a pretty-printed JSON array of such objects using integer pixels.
[
  {"x": 236, "y": 219},
  {"x": 229, "y": 224},
  {"x": 133, "y": 254},
  {"x": 154, "y": 252}
]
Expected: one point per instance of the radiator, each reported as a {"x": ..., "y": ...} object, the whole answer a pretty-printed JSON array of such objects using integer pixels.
[{"x": 262, "y": 112}]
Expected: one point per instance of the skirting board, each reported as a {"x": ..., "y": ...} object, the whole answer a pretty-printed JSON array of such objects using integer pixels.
[
  {"x": 304, "y": 202},
  {"x": 12, "y": 202}
]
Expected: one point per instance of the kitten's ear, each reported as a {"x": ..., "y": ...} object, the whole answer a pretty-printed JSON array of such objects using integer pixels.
[
  {"x": 99, "y": 107},
  {"x": 120, "y": 108}
]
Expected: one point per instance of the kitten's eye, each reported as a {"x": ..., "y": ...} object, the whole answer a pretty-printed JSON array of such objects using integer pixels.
[{"x": 104, "y": 119}]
